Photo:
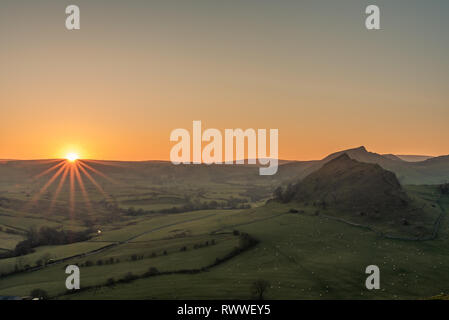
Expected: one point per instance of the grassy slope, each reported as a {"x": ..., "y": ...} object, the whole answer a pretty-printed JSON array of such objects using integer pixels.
[
  {"x": 9, "y": 241},
  {"x": 303, "y": 257},
  {"x": 142, "y": 243},
  {"x": 307, "y": 257}
]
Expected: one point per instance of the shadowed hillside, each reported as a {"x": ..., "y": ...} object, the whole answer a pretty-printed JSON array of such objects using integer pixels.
[
  {"x": 349, "y": 184},
  {"x": 427, "y": 171},
  {"x": 362, "y": 193},
  {"x": 178, "y": 225},
  {"x": 362, "y": 155}
]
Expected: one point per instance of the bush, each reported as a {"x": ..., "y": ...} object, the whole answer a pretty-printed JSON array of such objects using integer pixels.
[
  {"x": 246, "y": 241},
  {"x": 39, "y": 293},
  {"x": 110, "y": 282},
  {"x": 129, "y": 277},
  {"x": 152, "y": 270},
  {"x": 48, "y": 236}
]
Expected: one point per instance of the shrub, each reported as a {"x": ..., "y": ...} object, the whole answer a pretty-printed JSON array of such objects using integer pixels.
[
  {"x": 444, "y": 188},
  {"x": 110, "y": 282},
  {"x": 129, "y": 277},
  {"x": 39, "y": 293},
  {"x": 152, "y": 270},
  {"x": 48, "y": 236},
  {"x": 259, "y": 288}
]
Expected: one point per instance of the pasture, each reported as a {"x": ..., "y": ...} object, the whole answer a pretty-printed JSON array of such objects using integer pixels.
[{"x": 153, "y": 237}]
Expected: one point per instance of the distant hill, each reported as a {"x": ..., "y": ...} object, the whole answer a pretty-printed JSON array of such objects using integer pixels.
[
  {"x": 430, "y": 171},
  {"x": 413, "y": 158},
  {"x": 442, "y": 160},
  {"x": 349, "y": 184},
  {"x": 434, "y": 170},
  {"x": 362, "y": 155},
  {"x": 393, "y": 157},
  {"x": 361, "y": 193}
]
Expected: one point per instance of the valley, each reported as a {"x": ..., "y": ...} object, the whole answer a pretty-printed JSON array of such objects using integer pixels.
[{"x": 160, "y": 231}]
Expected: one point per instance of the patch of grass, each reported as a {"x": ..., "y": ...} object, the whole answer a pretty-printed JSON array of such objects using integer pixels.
[{"x": 305, "y": 257}]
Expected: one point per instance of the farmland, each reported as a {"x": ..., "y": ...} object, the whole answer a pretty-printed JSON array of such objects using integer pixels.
[{"x": 159, "y": 238}]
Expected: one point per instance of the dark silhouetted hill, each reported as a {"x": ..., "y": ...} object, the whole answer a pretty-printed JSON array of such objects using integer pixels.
[
  {"x": 352, "y": 185},
  {"x": 361, "y": 193}
]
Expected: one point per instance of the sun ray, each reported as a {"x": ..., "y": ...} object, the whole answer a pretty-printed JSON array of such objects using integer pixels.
[
  {"x": 105, "y": 163},
  {"x": 72, "y": 192},
  {"x": 44, "y": 161},
  {"x": 49, "y": 170},
  {"x": 95, "y": 183},
  {"x": 71, "y": 170},
  {"x": 60, "y": 185},
  {"x": 83, "y": 189},
  {"x": 43, "y": 189},
  {"x": 97, "y": 172}
]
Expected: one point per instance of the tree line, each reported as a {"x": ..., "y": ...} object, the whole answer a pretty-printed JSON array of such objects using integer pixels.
[
  {"x": 47, "y": 236},
  {"x": 232, "y": 203}
]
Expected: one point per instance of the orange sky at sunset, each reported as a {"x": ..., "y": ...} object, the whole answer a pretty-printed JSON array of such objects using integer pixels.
[{"x": 115, "y": 90}]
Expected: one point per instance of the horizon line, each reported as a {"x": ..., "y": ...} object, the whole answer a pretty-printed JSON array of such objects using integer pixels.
[{"x": 245, "y": 159}]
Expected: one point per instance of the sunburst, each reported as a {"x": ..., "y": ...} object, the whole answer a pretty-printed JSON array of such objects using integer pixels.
[
  {"x": 76, "y": 171},
  {"x": 72, "y": 156}
]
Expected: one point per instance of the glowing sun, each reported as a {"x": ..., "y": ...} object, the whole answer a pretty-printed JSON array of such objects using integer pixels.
[{"x": 72, "y": 157}]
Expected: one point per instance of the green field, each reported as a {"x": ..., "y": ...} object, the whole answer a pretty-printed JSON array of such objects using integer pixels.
[
  {"x": 303, "y": 257},
  {"x": 197, "y": 254}
]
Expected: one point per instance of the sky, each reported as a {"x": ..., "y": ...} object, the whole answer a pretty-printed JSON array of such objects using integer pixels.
[{"x": 136, "y": 70}]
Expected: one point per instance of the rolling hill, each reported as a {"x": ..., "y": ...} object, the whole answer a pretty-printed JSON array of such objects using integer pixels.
[
  {"x": 191, "y": 252},
  {"x": 350, "y": 184},
  {"x": 430, "y": 171},
  {"x": 362, "y": 193},
  {"x": 434, "y": 170}
]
